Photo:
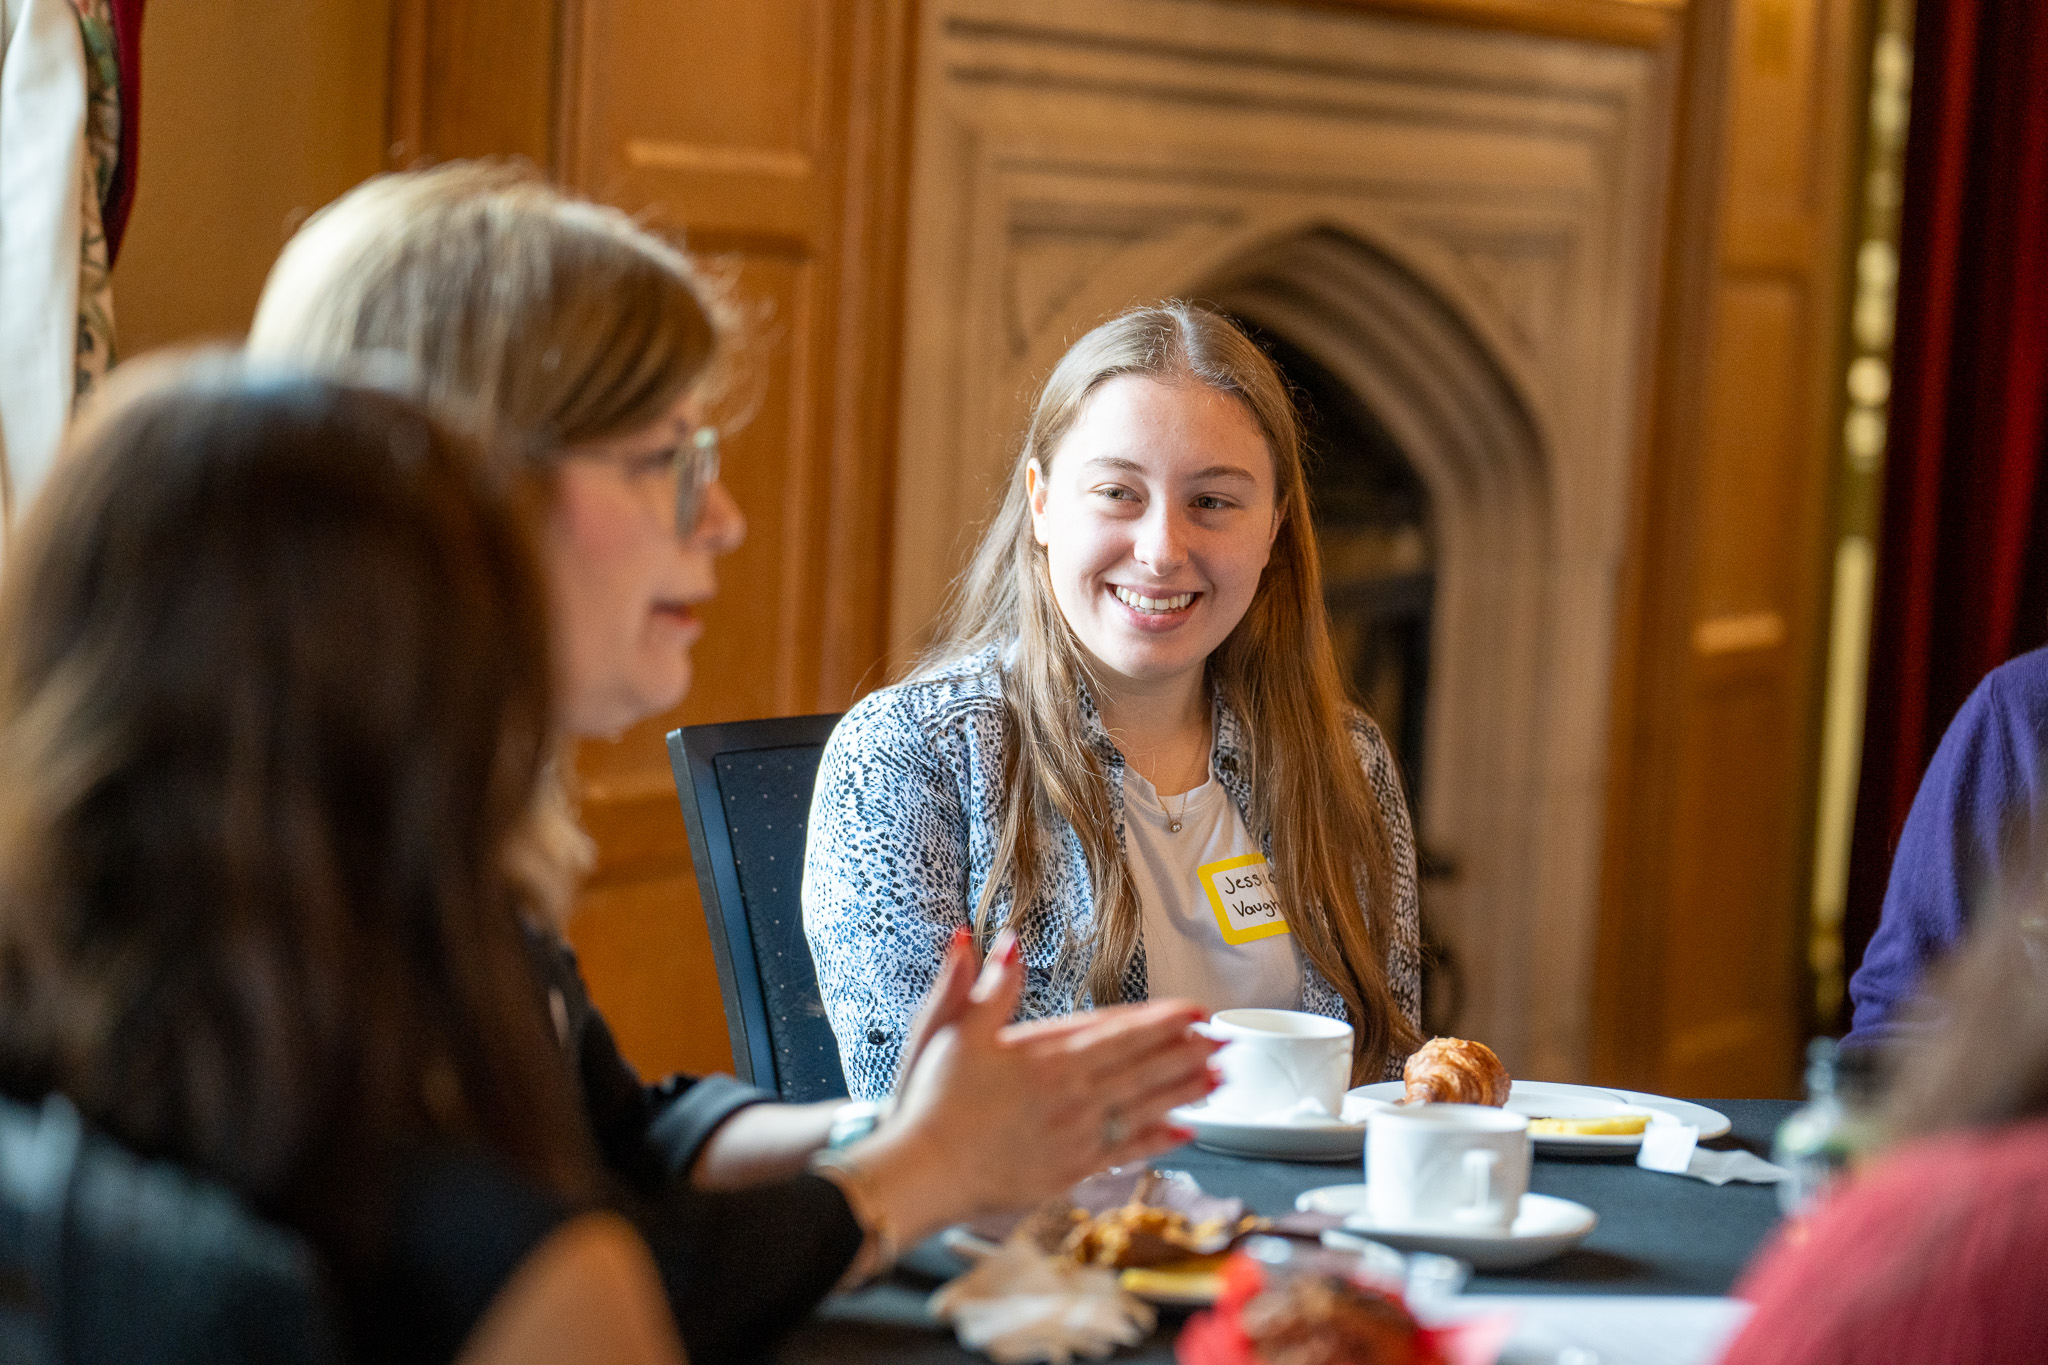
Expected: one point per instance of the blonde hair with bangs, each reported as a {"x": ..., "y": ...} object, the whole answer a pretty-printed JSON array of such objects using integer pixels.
[
  {"x": 527, "y": 318},
  {"x": 1332, "y": 849}
]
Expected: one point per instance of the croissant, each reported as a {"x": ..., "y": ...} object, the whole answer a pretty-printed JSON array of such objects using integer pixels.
[{"x": 1455, "y": 1071}]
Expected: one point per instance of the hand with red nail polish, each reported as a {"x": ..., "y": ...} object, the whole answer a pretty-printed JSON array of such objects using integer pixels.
[{"x": 997, "y": 1115}]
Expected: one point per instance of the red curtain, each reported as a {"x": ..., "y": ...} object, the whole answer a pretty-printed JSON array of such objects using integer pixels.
[
  {"x": 128, "y": 38},
  {"x": 1963, "y": 568}
]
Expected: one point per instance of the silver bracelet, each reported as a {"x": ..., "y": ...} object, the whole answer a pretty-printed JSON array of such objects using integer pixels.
[{"x": 853, "y": 1121}]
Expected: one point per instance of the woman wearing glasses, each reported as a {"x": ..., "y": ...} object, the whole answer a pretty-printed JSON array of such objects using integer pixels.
[{"x": 576, "y": 344}]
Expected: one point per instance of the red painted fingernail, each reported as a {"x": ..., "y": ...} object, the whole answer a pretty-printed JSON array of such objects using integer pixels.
[
  {"x": 1007, "y": 949},
  {"x": 962, "y": 938}
]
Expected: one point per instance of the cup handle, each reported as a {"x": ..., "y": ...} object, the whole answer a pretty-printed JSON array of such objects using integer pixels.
[{"x": 1479, "y": 1167}]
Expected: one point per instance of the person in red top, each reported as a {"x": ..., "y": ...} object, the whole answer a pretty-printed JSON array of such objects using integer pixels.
[{"x": 1939, "y": 1251}]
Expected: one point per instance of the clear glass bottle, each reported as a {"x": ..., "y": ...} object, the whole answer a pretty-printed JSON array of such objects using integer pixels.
[{"x": 1833, "y": 1129}]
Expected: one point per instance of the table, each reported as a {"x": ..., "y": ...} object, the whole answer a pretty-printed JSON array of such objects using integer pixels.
[{"x": 1658, "y": 1235}]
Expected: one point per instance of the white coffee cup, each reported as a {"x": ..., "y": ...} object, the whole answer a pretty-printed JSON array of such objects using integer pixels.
[
  {"x": 1457, "y": 1167},
  {"x": 1278, "y": 1058}
]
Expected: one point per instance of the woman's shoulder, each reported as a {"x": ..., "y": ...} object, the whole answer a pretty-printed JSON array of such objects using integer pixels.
[
  {"x": 945, "y": 695},
  {"x": 1368, "y": 740},
  {"x": 2020, "y": 684},
  {"x": 1364, "y": 729}
]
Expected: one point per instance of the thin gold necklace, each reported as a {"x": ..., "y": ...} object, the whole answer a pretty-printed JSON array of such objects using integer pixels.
[{"x": 1174, "y": 822}]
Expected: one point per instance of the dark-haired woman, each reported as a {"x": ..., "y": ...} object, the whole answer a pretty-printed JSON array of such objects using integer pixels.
[{"x": 271, "y": 720}]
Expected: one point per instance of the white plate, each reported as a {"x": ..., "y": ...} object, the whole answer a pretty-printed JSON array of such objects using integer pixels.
[
  {"x": 1544, "y": 1227},
  {"x": 1292, "y": 1140},
  {"x": 1554, "y": 1099}
]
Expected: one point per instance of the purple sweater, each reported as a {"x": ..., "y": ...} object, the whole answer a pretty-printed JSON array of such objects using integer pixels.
[{"x": 1975, "y": 821}]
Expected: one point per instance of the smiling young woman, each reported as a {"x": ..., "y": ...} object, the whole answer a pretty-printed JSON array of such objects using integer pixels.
[{"x": 1131, "y": 744}]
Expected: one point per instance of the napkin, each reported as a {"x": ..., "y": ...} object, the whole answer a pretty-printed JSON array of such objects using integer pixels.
[
  {"x": 1019, "y": 1304},
  {"x": 1674, "y": 1149}
]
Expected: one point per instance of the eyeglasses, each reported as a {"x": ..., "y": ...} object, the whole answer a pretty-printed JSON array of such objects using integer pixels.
[
  {"x": 691, "y": 463},
  {"x": 696, "y": 471}
]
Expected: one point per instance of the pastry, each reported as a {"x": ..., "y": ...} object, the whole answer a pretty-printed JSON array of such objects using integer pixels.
[
  {"x": 1133, "y": 1235},
  {"x": 1137, "y": 1234},
  {"x": 1455, "y": 1071},
  {"x": 1144, "y": 1231}
]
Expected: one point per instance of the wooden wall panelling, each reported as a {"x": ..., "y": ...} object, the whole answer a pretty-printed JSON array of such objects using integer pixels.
[
  {"x": 1700, "y": 983},
  {"x": 771, "y": 138},
  {"x": 1650, "y": 657},
  {"x": 259, "y": 112},
  {"x": 1637, "y": 23},
  {"x": 473, "y": 78}
]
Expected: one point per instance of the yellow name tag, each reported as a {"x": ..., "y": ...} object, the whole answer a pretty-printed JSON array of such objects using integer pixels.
[{"x": 1242, "y": 894}]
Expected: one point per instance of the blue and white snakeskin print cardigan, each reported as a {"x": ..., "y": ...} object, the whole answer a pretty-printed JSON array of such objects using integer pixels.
[{"x": 903, "y": 832}]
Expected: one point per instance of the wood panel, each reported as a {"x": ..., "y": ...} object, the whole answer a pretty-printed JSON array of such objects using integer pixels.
[
  {"x": 771, "y": 139},
  {"x": 1699, "y": 985},
  {"x": 259, "y": 112},
  {"x": 473, "y": 79},
  {"x": 1639, "y": 23}
]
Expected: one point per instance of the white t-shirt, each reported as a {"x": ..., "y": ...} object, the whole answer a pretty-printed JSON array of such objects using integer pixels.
[{"x": 1214, "y": 929}]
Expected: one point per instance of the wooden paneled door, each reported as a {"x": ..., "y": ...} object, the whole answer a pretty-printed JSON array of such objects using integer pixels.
[
  {"x": 771, "y": 138},
  {"x": 1699, "y": 987}
]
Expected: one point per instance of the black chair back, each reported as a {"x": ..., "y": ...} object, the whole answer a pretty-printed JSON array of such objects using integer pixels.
[
  {"x": 746, "y": 794},
  {"x": 104, "y": 1258}
]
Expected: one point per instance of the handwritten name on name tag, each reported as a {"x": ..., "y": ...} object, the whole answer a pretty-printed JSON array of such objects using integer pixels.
[{"x": 1242, "y": 894}]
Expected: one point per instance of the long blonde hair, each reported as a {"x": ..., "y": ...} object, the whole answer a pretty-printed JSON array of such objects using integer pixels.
[
  {"x": 1276, "y": 671},
  {"x": 527, "y": 318}
]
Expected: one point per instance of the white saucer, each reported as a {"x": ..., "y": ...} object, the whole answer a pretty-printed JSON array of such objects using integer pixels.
[
  {"x": 1290, "y": 1140},
  {"x": 1544, "y": 1227},
  {"x": 1555, "y": 1099}
]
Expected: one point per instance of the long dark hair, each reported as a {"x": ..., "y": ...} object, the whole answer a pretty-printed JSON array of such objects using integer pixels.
[{"x": 273, "y": 699}]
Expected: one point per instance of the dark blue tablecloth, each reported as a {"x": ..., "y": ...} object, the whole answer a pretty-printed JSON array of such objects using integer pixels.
[{"x": 1658, "y": 1234}]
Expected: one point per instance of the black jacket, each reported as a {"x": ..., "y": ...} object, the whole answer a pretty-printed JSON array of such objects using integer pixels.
[
  {"x": 741, "y": 1267},
  {"x": 105, "y": 1257}
]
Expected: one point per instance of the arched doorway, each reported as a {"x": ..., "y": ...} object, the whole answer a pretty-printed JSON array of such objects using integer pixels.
[{"x": 1433, "y": 506}]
